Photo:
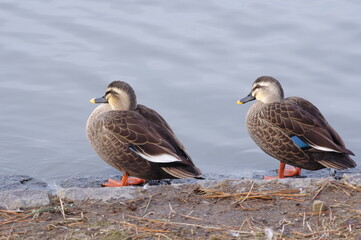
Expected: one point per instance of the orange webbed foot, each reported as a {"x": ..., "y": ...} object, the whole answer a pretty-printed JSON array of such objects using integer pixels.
[
  {"x": 113, "y": 183},
  {"x": 285, "y": 172},
  {"x": 126, "y": 181},
  {"x": 292, "y": 171},
  {"x": 270, "y": 177},
  {"x": 135, "y": 181}
]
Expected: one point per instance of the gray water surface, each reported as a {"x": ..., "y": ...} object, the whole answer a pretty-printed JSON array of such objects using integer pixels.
[{"x": 189, "y": 60}]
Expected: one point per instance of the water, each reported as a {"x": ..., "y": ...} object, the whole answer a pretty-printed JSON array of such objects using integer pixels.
[{"x": 189, "y": 60}]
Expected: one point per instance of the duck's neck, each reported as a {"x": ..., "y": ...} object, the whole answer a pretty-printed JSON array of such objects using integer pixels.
[{"x": 258, "y": 105}]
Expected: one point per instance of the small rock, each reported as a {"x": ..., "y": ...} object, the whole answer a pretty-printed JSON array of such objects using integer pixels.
[
  {"x": 302, "y": 191},
  {"x": 208, "y": 183},
  {"x": 268, "y": 232},
  {"x": 319, "y": 206},
  {"x": 86, "y": 181},
  {"x": 353, "y": 178},
  {"x": 102, "y": 194},
  {"x": 24, "y": 199}
]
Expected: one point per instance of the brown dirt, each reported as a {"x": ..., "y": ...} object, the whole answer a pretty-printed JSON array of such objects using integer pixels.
[{"x": 226, "y": 211}]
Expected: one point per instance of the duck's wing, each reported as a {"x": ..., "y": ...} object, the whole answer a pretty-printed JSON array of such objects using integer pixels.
[
  {"x": 151, "y": 142},
  {"x": 306, "y": 105},
  {"x": 163, "y": 128},
  {"x": 153, "y": 117},
  {"x": 305, "y": 125}
]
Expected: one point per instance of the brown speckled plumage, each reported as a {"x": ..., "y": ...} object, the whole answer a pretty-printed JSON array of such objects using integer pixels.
[
  {"x": 272, "y": 121},
  {"x": 119, "y": 136}
]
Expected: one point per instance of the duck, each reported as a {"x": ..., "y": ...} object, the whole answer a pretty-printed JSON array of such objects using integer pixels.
[
  {"x": 293, "y": 131},
  {"x": 135, "y": 139}
]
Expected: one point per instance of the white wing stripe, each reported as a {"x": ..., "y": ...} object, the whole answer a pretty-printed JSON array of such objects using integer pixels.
[
  {"x": 162, "y": 158},
  {"x": 324, "y": 148}
]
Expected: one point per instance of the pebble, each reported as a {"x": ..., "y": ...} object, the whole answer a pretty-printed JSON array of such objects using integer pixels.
[{"x": 319, "y": 206}]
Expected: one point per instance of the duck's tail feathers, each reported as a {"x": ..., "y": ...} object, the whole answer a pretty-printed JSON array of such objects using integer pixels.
[
  {"x": 183, "y": 171},
  {"x": 334, "y": 160}
]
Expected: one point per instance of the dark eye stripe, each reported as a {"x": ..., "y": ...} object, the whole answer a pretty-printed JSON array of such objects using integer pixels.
[
  {"x": 110, "y": 92},
  {"x": 256, "y": 87}
]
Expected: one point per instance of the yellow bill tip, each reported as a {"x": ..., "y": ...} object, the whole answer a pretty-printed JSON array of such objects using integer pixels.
[
  {"x": 239, "y": 102},
  {"x": 92, "y": 100}
]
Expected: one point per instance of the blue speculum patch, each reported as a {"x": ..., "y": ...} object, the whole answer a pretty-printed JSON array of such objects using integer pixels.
[{"x": 299, "y": 142}]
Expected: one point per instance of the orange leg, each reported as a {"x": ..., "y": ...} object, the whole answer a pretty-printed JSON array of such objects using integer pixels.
[
  {"x": 285, "y": 172},
  {"x": 126, "y": 181}
]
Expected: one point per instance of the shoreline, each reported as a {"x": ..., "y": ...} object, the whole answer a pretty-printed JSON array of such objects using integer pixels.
[
  {"x": 291, "y": 208},
  {"x": 22, "y": 191}
]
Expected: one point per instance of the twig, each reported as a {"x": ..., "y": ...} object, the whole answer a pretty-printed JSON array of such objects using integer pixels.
[
  {"x": 146, "y": 208},
  {"x": 21, "y": 216},
  {"x": 17, "y": 226},
  {"x": 263, "y": 195},
  {"x": 74, "y": 223},
  {"x": 288, "y": 195},
  {"x": 14, "y": 212},
  {"x": 314, "y": 233},
  {"x": 309, "y": 227},
  {"x": 17, "y": 233},
  {"x": 10, "y": 232},
  {"x": 249, "y": 192},
  {"x": 335, "y": 185},
  {"x": 354, "y": 210},
  {"x": 163, "y": 235},
  {"x": 304, "y": 220},
  {"x": 144, "y": 229},
  {"x": 171, "y": 209},
  {"x": 20, "y": 221},
  {"x": 195, "y": 218},
  {"x": 62, "y": 208},
  {"x": 331, "y": 217},
  {"x": 319, "y": 190},
  {"x": 218, "y": 228},
  {"x": 348, "y": 185},
  {"x": 13, "y": 220},
  {"x": 294, "y": 199},
  {"x": 244, "y": 221}
]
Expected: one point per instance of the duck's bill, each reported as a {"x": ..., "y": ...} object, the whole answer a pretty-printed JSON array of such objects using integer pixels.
[
  {"x": 246, "y": 99},
  {"x": 99, "y": 100}
]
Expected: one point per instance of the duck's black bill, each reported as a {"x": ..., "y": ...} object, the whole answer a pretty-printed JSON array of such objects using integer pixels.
[
  {"x": 99, "y": 100},
  {"x": 246, "y": 99}
]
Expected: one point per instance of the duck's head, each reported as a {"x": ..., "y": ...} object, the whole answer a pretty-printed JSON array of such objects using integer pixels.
[
  {"x": 120, "y": 96},
  {"x": 265, "y": 89}
]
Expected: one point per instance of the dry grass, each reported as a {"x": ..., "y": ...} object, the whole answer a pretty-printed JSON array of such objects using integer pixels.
[{"x": 190, "y": 212}]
